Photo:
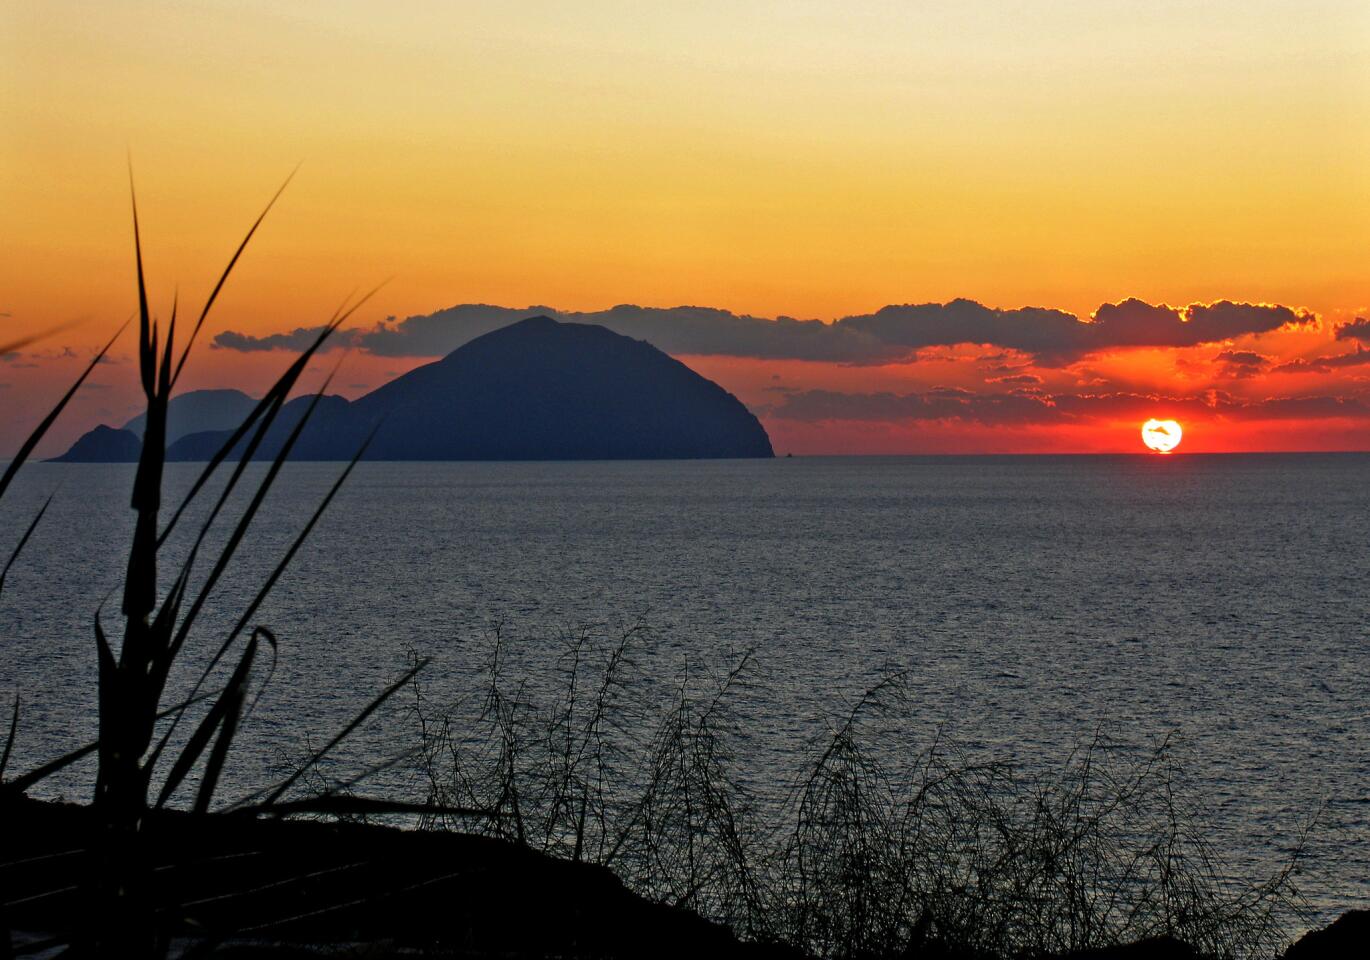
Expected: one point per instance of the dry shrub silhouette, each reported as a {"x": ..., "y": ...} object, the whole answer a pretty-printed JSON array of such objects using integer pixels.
[{"x": 948, "y": 855}]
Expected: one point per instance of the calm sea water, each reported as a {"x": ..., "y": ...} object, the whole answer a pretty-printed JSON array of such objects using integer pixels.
[{"x": 1034, "y": 601}]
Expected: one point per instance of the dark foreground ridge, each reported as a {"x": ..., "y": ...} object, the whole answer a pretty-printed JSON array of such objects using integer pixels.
[
  {"x": 535, "y": 390},
  {"x": 297, "y": 887},
  {"x": 286, "y": 888}
]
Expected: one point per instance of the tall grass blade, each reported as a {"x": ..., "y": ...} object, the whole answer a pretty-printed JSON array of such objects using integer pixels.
[
  {"x": 342, "y": 735},
  {"x": 230, "y": 548},
  {"x": 140, "y": 583},
  {"x": 195, "y": 747},
  {"x": 23, "y": 540},
  {"x": 9, "y": 740},
  {"x": 39, "y": 774},
  {"x": 234, "y": 696},
  {"x": 103, "y": 652},
  {"x": 276, "y": 396},
  {"x": 146, "y": 343},
  {"x": 223, "y": 278},
  {"x": 303, "y": 535},
  {"x": 164, "y": 377},
  {"x": 42, "y": 428},
  {"x": 23, "y": 342},
  {"x": 266, "y": 587}
]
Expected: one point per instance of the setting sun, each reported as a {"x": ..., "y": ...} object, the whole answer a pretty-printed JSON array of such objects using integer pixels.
[{"x": 1162, "y": 436}]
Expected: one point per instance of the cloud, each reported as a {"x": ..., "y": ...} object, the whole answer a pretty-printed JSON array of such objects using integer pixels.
[
  {"x": 1358, "y": 358},
  {"x": 438, "y": 334},
  {"x": 1035, "y": 407},
  {"x": 1031, "y": 330},
  {"x": 1017, "y": 378},
  {"x": 1240, "y": 364},
  {"x": 815, "y": 406},
  {"x": 893, "y": 334},
  {"x": 676, "y": 330},
  {"x": 1133, "y": 323},
  {"x": 1056, "y": 338},
  {"x": 1357, "y": 329},
  {"x": 296, "y": 340}
]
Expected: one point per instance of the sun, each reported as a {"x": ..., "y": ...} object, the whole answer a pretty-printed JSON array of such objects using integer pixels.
[{"x": 1162, "y": 435}]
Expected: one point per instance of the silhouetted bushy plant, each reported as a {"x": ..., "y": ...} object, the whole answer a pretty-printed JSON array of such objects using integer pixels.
[{"x": 948, "y": 853}]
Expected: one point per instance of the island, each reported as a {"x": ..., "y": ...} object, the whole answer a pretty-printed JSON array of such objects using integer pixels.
[{"x": 538, "y": 389}]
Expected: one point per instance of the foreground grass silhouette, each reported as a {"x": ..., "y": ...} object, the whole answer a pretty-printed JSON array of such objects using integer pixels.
[
  {"x": 529, "y": 809},
  {"x": 137, "y": 773}
]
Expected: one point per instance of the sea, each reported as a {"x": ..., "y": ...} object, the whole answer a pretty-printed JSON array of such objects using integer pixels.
[{"x": 1218, "y": 605}]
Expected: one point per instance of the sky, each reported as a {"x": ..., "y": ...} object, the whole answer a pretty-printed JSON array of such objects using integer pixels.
[{"x": 1016, "y": 226}]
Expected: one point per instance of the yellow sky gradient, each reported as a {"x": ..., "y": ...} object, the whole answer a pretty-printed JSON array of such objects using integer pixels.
[{"x": 814, "y": 158}]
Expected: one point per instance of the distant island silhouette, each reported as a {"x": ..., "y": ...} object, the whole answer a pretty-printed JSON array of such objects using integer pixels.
[{"x": 538, "y": 389}]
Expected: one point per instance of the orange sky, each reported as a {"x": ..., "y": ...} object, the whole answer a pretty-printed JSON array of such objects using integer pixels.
[{"x": 815, "y": 159}]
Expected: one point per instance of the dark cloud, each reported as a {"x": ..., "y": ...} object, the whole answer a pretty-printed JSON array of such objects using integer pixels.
[
  {"x": 1240, "y": 364},
  {"x": 1242, "y": 358},
  {"x": 1357, "y": 329},
  {"x": 1031, "y": 330},
  {"x": 1359, "y": 357},
  {"x": 438, "y": 334},
  {"x": 676, "y": 330},
  {"x": 1134, "y": 323},
  {"x": 891, "y": 334},
  {"x": 1036, "y": 407},
  {"x": 1055, "y": 338},
  {"x": 296, "y": 340}
]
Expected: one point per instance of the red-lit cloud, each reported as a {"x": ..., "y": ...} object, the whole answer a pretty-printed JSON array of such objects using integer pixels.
[
  {"x": 1359, "y": 357},
  {"x": 1044, "y": 409},
  {"x": 1357, "y": 329}
]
